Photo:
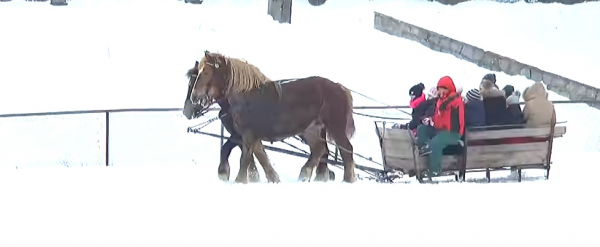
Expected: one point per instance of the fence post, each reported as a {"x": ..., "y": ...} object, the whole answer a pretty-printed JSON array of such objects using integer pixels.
[{"x": 107, "y": 137}]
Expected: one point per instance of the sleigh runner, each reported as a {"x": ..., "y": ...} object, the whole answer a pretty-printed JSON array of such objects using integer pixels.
[{"x": 481, "y": 150}]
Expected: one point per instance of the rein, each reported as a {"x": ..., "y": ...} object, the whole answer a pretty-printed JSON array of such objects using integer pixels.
[{"x": 205, "y": 123}]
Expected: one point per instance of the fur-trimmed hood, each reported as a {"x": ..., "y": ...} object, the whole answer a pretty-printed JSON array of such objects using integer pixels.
[
  {"x": 536, "y": 90},
  {"x": 488, "y": 89},
  {"x": 538, "y": 110},
  {"x": 491, "y": 92}
]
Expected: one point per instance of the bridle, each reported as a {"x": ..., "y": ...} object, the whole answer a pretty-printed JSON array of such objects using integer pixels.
[{"x": 203, "y": 101}]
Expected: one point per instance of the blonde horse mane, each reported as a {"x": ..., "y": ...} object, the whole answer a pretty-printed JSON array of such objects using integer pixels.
[{"x": 242, "y": 76}]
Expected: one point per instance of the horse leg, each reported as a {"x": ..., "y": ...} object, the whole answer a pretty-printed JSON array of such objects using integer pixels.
[
  {"x": 263, "y": 159},
  {"x": 246, "y": 158},
  {"x": 253, "y": 174},
  {"x": 323, "y": 172},
  {"x": 347, "y": 153},
  {"x": 233, "y": 141},
  {"x": 331, "y": 175},
  {"x": 223, "y": 169},
  {"x": 318, "y": 147}
]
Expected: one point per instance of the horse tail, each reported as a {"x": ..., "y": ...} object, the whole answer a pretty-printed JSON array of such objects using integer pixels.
[{"x": 350, "y": 128}]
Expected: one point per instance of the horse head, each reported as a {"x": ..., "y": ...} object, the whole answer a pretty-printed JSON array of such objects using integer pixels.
[
  {"x": 207, "y": 84},
  {"x": 220, "y": 76},
  {"x": 190, "y": 111}
]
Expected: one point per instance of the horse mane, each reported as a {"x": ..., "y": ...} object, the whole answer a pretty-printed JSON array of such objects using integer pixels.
[
  {"x": 242, "y": 76},
  {"x": 192, "y": 72}
]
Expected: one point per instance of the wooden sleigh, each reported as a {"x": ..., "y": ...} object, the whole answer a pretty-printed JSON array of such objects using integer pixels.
[{"x": 486, "y": 150}]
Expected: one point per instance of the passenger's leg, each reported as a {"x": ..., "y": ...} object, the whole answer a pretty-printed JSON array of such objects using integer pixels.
[
  {"x": 437, "y": 145},
  {"x": 424, "y": 134}
]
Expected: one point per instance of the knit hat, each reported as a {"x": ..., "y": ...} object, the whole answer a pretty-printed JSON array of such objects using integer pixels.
[
  {"x": 459, "y": 89},
  {"x": 512, "y": 100},
  {"x": 490, "y": 77},
  {"x": 432, "y": 93},
  {"x": 416, "y": 90},
  {"x": 473, "y": 94}
]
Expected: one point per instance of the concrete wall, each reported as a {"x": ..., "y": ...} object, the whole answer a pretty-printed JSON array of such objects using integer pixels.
[{"x": 486, "y": 59}]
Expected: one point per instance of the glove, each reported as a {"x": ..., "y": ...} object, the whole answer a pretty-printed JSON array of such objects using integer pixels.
[{"x": 427, "y": 121}]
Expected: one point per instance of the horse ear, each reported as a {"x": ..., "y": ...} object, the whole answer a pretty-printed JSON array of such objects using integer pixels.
[
  {"x": 209, "y": 57},
  {"x": 197, "y": 63}
]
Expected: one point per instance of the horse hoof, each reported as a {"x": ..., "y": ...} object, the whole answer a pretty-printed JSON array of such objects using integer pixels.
[
  {"x": 254, "y": 179},
  {"x": 254, "y": 176},
  {"x": 224, "y": 177},
  {"x": 349, "y": 179},
  {"x": 305, "y": 174},
  {"x": 241, "y": 181},
  {"x": 331, "y": 176},
  {"x": 273, "y": 177},
  {"x": 321, "y": 178},
  {"x": 223, "y": 172}
]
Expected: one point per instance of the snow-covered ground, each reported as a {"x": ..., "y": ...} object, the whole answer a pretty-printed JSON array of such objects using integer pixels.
[
  {"x": 162, "y": 185},
  {"x": 176, "y": 206}
]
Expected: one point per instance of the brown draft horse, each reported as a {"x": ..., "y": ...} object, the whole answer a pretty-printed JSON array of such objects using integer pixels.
[
  {"x": 191, "y": 111},
  {"x": 275, "y": 110}
]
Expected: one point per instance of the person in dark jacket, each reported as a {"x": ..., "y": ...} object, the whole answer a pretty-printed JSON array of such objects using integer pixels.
[
  {"x": 474, "y": 109},
  {"x": 513, "y": 106},
  {"x": 445, "y": 128},
  {"x": 496, "y": 112},
  {"x": 489, "y": 77},
  {"x": 417, "y": 97},
  {"x": 428, "y": 107}
]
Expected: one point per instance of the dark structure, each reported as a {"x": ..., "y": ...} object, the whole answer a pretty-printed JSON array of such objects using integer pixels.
[
  {"x": 316, "y": 2},
  {"x": 58, "y": 2},
  {"x": 194, "y": 1},
  {"x": 280, "y": 10}
]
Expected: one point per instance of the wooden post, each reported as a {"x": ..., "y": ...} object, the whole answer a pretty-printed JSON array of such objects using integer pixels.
[{"x": 280, "y": 10}]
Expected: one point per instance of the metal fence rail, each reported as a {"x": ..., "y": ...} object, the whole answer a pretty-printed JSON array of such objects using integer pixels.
[
  {"x": 589, "y": 102},
  {"x": 92, "y": 137}
]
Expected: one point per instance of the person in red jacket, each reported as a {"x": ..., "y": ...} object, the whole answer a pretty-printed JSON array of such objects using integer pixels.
[{"x": 447, "y": 125}]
